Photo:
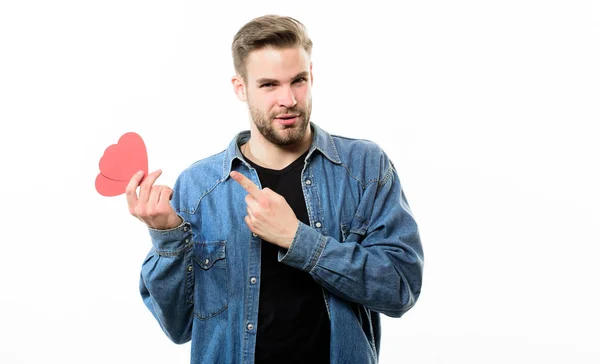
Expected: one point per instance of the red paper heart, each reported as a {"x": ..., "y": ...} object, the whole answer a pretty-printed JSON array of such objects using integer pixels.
[
  {"x": 119, "y": 163},
  {"x": 109, "y": 187}
]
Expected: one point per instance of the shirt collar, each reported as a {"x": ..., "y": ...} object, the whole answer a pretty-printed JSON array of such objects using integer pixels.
[{"x": 321, "y": 141}]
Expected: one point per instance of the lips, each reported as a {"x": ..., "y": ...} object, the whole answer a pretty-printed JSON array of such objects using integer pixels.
[
  {"x": 287, "y": 121},
  {"x": 287, "y": 116}
]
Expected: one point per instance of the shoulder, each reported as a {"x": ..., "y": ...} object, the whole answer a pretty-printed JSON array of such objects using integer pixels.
[
  {"x": 363, "y": 158},
  {"x": 212, "y": 165},
  {"x": 198, "y": 179},
  {"x": 346, "y": 146}
]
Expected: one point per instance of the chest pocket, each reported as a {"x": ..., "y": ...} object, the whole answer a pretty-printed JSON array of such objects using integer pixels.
[
  {"x": 355, "y": 230},
  {"x": 211, "y": 279}
]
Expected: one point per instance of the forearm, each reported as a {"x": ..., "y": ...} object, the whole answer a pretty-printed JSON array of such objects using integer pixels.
[
  {"x": 379, "y": 262},
  {"x": 385, "y": 277},
  {"x": 166, "y": 281}
]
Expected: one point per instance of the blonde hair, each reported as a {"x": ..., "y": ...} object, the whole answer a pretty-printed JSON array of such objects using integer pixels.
[{"x": 268, "y": 30}]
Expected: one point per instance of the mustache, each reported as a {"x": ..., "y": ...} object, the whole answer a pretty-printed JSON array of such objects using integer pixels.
[{"x": 300, "y": 112}]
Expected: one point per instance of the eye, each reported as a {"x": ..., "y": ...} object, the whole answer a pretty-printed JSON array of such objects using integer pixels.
[
  {"x": 266, "y": 85},
  {"x": 303, "y": 79}
]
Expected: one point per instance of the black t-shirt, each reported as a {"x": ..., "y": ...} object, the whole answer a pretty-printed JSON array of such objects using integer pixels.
[{"x": 293, "y": 325}]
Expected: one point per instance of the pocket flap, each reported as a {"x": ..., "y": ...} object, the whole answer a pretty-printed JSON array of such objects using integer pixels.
[
  {"x": 207, "y": 254},
  {"x": 357, "y": 226}
]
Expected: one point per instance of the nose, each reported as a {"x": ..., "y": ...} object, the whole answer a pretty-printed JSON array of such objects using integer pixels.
[{"x": 286, "y": 97}]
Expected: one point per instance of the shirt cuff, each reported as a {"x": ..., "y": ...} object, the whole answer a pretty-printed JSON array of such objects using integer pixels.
[
  {"x": 305, "y": 250},
  {"x": 171, "y": 241}
]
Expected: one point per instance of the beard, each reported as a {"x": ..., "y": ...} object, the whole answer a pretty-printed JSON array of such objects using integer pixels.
[{"x": 290, "y": 134}]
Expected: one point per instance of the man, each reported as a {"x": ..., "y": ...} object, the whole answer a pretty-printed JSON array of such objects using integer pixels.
[{"x": 286, "y": 246}]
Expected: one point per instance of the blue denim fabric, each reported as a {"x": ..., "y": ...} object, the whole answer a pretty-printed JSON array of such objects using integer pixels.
[{"x": 201, "y": 279}]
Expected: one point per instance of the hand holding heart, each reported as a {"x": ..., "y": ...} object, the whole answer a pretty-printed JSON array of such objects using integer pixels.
[
  {"x": 269, "y": 214},
  {"x": 119, "y": 162},
  {"x": 153, "y": 205}
]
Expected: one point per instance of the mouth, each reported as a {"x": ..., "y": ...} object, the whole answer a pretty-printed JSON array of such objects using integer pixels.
[
  {"x": 287, "y": 119},
  {"x": 287, "y": 116}
]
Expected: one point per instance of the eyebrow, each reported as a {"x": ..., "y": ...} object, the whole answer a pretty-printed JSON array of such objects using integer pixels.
[{"x": 271, "y": 80}]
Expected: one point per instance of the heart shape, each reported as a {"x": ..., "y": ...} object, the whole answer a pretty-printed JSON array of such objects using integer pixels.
[{"x": 119, "y": 163}]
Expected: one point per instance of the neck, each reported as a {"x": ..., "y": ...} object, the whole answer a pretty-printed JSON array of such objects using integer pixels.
[{"x": 272, "y": 156}]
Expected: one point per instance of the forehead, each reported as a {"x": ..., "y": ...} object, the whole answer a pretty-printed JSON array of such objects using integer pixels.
[{"x": 277, "y": 63}]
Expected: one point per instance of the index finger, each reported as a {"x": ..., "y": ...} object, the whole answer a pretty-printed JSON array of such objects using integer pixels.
[{"x": 245, "y": 182}]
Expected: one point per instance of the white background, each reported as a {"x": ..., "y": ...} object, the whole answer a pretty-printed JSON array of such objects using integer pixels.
[{"x": 487, "y": 108}]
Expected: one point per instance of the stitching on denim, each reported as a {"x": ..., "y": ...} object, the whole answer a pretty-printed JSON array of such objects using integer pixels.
[
  {"x": 362, "y": 219},
  {"x": 224, "y": 162},
  {"x": 199, "y": 261},
  {"x": 337, "y": 154},
  {"x": 362, "y": 185},
  {"x": 209, "y": 316},
  {"x": 386, "y": 178},
  {"x": 326, "y": 297},
  {"x": 371, "y": 182},
  {"x": 190, "y": 281},
  {"x": 317, "y": 254},
  {"x": 246, "y": 296},
  {"x": 293, "y": 244},
  {"x": 204, "y": 194},
  {"x": 372, "y": 336},
  {"x": 173, "y": 253},
  {"x": 317, "y": 201},
  {"x": 361, "y": 231},
  {"x": 221, "y": 243},
  {"x": 166, "y": 231}
]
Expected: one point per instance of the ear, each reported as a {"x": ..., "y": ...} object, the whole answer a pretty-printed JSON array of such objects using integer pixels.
[{"x": 239, "y": 88}]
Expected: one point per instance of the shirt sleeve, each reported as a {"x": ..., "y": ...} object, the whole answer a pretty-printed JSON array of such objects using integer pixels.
[
  {"x": 380, "y": 262},
  {"x": 167, "y": 278}
]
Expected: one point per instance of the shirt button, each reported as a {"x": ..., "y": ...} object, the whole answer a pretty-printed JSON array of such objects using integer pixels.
[
  {"x": 186, "y": 228},
  {"x": 308, "y": 182},
  {"x": 318, "y": 224},
  {"x": 187, "y": 240},
  {"x": 253, "y": 280},
  {"x": 189, "y": 268},
  {"x": 206, "y": 261},
  {"x": 253, "y": 234},
  {"x": 250, "y": 327}
]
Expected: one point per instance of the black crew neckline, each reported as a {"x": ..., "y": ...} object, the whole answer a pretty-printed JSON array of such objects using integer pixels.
[{"x": 283, "y": 171}]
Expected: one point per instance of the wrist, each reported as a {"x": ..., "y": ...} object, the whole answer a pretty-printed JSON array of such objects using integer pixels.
[
  {"x": 290, "y": 237},
  {"x": 173, "y": 222}
]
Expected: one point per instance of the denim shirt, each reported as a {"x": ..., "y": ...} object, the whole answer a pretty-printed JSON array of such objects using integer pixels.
[{"x": 201, "y": 279}]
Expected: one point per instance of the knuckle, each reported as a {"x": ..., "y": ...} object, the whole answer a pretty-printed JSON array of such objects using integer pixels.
[
  {"x": 139, "y": 211},
  {"x": 151, "y": 211}
]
